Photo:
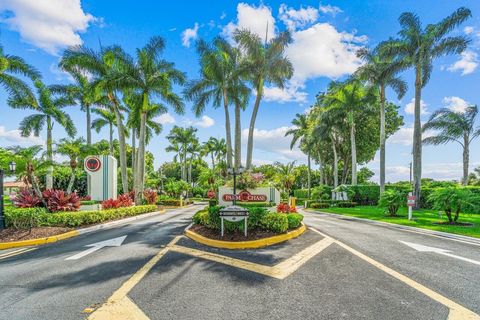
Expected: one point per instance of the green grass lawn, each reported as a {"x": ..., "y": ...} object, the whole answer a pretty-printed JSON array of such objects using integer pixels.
[{"x": 423, "y": 219}]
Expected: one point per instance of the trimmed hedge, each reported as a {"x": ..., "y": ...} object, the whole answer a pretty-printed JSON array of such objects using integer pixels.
[
  {"x": 275, "y": 222},
  {"x": 319, "y": 205},
  {"x": 294, "y": 220},
  {"x": 346, "y": 204},
  {"x": 301, "y": 193},
  {"x": 248, "y": 205},
  {"x": 15, "y": 217}
]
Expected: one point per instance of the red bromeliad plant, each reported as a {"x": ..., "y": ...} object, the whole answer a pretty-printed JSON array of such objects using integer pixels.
[
  {"x": 150, "y": 196},
  {"x": 27, "y": 199},
  {"x": 123, "y": 200},
  {"x": 285, "y": 208},
  {"x": 59, "y": 200}
]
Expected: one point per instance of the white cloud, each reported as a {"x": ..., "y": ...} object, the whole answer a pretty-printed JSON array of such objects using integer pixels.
[
  {"x": 456, "y": 104},
  {"x": 294, "y": 19},
  {"x": 223, "y": 15},
  {"x": 47, "y": 24},
  {"x": 410, "y": 107},
  {"x": 468, "y": 29},
  {"x": 404, "y": 136},
  {"x": 189, "y": 34},
  {"x": 468, "y": 63},
  {"x": 204, "y": 122},
  {"x": 254, "y": 19},
  {"x": 329, "y": 9},
  {"x": 14, "y": 136},
  {"x": 165, "y": 118},
  {"x": 287, "y": 94}
]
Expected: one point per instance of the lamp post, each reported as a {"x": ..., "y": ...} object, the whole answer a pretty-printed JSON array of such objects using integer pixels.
[
  {"x": 12, "y": 166},
  {"x": 234, "y": 172}
]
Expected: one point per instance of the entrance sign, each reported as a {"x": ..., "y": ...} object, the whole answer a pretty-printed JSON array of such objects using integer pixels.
[
  {"x": 102, "y": 177},
  {"x": 267, "y": 194}
]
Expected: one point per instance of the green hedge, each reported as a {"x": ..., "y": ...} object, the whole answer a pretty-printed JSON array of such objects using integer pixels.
[
  {"x": 255, "y": 204},
  {"x": 319, "y": 205},
  {"x": 294, "y": 220},
  {"x": 38, "y": 217},
  {"x": 301, "y": 193},
  {"x": 275, "y": 222}
]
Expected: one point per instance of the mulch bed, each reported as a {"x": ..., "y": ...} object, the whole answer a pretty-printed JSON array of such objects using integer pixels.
[
  {"x": 253, "y": 234},
  {"x": 10, "y": 234},
  {"x": 460, "y": 224}
]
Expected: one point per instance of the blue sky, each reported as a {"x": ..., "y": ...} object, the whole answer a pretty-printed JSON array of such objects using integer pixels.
[{"x": 325, "y": 35}]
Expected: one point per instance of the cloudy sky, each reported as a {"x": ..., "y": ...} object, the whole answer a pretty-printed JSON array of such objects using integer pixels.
[{"x": 325, "y": 38}]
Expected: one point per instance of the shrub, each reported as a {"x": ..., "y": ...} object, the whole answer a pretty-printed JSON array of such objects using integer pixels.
[
  {"x": 123, "y": 200},
  {"x": 321, "y": 192},
  {"x": 367, "y": 195},
  {"x": 255, "y": 204},
  {"x": 450, "y": 200},
  {"x": 255, "y": 216},
  {"x": 275, "y": 222},
  {"x": 285, "y": 208},
  {"x": 174, "y": 202},
  {"x": 294, "y": 220},
  {"x": 59, "y": 200},
  {"x": 346, "y": 204},
  {"x": 301, "y": 193},
  {"x": 212, "y": 202},
  {"x": 86, "y": 198},
  {"x": 319, "y": 205},
  {"x": 26, "y": 199},
  {"x": 201, "y": 218},
  {"x": 23, "y": 218},
  {"x": 214, "y": 217},
  {"x": 392, "y": 200},
  {"x": 88, "y": 203},
  {"x": 150, "y": 196}
]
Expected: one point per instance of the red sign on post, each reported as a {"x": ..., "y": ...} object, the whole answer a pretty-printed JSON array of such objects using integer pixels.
[
  {"x": 211, "y": 194},
  {"x": 411, "y": 201}
]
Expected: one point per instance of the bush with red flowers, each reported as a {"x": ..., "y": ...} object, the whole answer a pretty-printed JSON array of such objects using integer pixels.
[
  {"x": 27, "y": 199},
  {"x": 123, "y": 200},
  {"x": 59, "y": 200},
  {"x": 283, "y": 207},
  {"x": 150, "y": 196}
]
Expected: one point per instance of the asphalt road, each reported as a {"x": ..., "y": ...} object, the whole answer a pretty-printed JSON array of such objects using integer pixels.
[{"x": 365, "y": 272}]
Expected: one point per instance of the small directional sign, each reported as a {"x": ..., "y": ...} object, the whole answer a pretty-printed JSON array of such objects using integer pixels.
[{"x": 115, "y": 242}]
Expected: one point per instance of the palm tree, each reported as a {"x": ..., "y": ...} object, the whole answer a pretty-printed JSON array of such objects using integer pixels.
[
  {"x": 27, "y": 164},
  {"x": 302, "y": 132},
  {"x": 285, "y": 175},
  {"x": 72, "y": 148},
  {"x": 104, "y": 66},
  {"x": 10, "y": 66},
  {"x": 106, "y": 117},
  {"x": 220, "y": 83},
  {"x": 209, "y": 149},
  {"x": 382, "y": 72},
  {"x": 265, "y": 62},
  {"x": 150, "y": 77},
  {"x": 48, "y": 108},
  {"x": 180, "y": 140},
  {"x": 454, "y": 127},
  {"x": 195, "y": 151},
  {"x": 418, "y": 47},
  {"x": 83, "y": 92}
]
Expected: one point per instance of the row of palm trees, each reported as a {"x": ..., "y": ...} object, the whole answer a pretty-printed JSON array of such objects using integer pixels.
[{"x": 416, "y": 47}]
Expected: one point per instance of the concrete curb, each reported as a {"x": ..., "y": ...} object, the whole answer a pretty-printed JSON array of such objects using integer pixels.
[
  {"x": 252, "y": 244},
  {"x": 439, "y": 234},
  {"x": 74, "y": 233}
]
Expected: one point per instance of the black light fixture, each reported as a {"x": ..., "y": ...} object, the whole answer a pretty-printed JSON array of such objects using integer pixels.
[{"x": 13, "y": 166}]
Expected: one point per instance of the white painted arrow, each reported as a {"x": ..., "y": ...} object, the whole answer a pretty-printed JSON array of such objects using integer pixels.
[
  {"x": 422, "y": 248},
  {"x": 115, "y": 242}
]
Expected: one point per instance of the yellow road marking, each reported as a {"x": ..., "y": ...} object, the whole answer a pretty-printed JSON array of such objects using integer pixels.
[
  {"x": 119, "y": 306},
  {"x": 457, "y": 312},
  {"x": 15, "y": 252},
  {"x": 279, "y": 271}
]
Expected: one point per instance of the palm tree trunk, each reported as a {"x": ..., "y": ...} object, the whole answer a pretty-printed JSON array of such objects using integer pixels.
[
  {"x": 139, "y": 176},
  {"x": 251, "y": 128},
  {"x": 238, "y": 137},
  {"x": 382, "y": 139},
  {"x": 228, "y": 130},
  {"x": 49, "y": 176},
  {"x": 466, "y": 160},
  {"x": 309, "y": 174},
  {"x": 72, "y": 180},
  {"x": 111, "y": 138},
  {"x": 417, "y": 138},
  {"x": 121, "y": 142},
  {"x": 133, "y": 150},
  {"x": 184, "y": 166},
  {"x": 354, "y": 152},
  {"x": 190, "y": 169},
  {"x": 213, "y": 161},
  {"x": 320, "y": 168},
  {"x": 335, "y": 163},
  {"x": 89, "y": 125}
]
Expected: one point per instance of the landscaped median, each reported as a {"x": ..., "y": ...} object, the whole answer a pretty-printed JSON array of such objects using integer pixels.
[
  {"x": 35, "y": 226},
  {"x": 264, "y": 228}
]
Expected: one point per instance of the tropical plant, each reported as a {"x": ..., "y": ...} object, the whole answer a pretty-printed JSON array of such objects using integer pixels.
[
  {"x": 27, "y": 165},
  {"x": 381, "y": 71},
  {"x": 418, "y": 47},
  {"x": 392, "y": 200},
  {"x": 265, "y": 62},
  {"x": 450, "y": 200},
  {"x": 27, "y": 198},
  {"x": 72, "y": 148},
  {"x": 285, "y": 176},
  {"x": 180, "y": 140},
  {"x": 453, "y": 126},
  {"x": 106, "y": 117},
  {"x": 49, "y": 109},
  {"x": 61, "y": 201}
]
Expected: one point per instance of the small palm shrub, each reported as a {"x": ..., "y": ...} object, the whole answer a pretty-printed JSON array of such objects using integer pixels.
[
  {"x": 451, "y": 200},
  {"x": 391, "y": 200}
]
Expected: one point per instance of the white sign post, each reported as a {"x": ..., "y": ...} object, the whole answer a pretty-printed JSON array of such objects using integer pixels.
[
  {"x": 102, "y": 172},
  {"x": 410, "y": 203}
]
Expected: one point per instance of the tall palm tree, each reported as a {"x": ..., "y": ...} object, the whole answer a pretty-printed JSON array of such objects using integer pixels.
[
  {"x": 10, "y": 66},
  {"x": 301, "y": 133},
  {"x": 382, "y": 72},
  {"x": 49, "y": 110},
  {"x": 84, "y": 93},
  {"x": 265, "y": 62},
  {"x": 454, "y": 127},
  {"x": 104, "y": 66},
  {"x": 150, "y": 77},
  {"x": 195, "y": 151},
  {"x": 180, "y": 140},
  {"x": 220, "y": 83},
  {"x": 418, "y": 46},
  {"x": 209, "y": 149},
  {"x": 106, "y": 118},
  {"x": 285, "y": 175},
  {"x": 72, "y": 148}
]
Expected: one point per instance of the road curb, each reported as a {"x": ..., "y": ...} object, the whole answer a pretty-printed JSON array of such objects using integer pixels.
[
  {"x": 440, "y": 234},
  {"x": 252, "y": 244},
  {"x": 74, "y": 233}
]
